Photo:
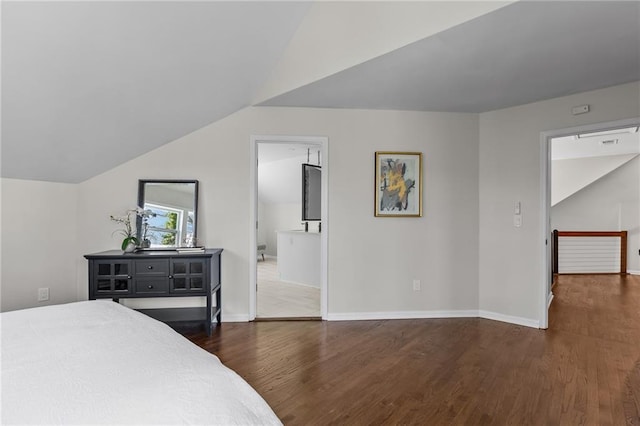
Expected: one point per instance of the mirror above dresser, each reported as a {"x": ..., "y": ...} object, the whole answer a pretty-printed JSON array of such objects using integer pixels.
[{"x": 171, "y": 218}]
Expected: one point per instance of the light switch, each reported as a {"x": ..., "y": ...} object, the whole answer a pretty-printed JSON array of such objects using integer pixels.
[{"x": 516, "y": 209}]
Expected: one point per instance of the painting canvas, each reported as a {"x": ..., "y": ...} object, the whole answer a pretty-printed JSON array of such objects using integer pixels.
[{"x": 398, "y": 186}]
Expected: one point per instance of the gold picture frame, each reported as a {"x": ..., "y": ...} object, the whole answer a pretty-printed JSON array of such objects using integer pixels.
[{"x": 398, "y": 184}]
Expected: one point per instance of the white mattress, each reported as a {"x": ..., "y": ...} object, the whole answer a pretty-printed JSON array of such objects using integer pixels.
[{"x": 100, "y": 362}]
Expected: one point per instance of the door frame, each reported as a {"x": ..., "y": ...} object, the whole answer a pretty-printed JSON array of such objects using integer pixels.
[
  {"x": 323, "y": 143},
  {"x": 546, "y": 296}
]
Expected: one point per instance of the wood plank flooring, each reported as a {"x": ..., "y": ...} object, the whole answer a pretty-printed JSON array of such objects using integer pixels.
[{"x": 584, "y": 370}]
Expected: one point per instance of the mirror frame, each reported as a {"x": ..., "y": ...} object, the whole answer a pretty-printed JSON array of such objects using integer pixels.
[
  {"x": 141, "y": 189},
  {"x": 306, "y": 192}
]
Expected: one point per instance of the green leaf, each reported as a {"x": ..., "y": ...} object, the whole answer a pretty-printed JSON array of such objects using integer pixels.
[{"x": 128, "y": 240}]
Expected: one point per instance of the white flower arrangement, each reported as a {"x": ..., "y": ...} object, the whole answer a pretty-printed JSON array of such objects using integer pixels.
[{"x": 129, "y": 231}]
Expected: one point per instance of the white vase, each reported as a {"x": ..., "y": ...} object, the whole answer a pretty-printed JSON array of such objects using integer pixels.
[{"x": 131, "y": 247}]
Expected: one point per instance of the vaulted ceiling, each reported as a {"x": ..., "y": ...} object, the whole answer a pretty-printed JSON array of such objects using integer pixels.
[
  {"x": 90, "y": 85},
  {"x": 525, "y": 52}
]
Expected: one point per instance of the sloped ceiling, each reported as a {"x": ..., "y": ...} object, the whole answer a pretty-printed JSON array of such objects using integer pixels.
[
  {"x": 577, "y": 162},
  {"x": 90, "y": 85},
  {"x": 524, "y": 52},
  {"x": 573, "y": 175}
]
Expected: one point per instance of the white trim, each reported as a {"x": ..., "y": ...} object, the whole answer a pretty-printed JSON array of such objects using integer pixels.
[
  {"x": 253, "y": 226},
  {"x": 549, "y": 299},
  {"x": 363, "y": 316},
  {"x": 235, "y": 318},
  {"x": 398, "y": 315},
  {"x": 323, "y": 141},
  {"x": 527, "y": 322},
  {"x": 633, "y": 272},
  {"x": 545, "y": 249},
  {"x": 545, "y": 199},
  {"x": 360, "y": 316}
]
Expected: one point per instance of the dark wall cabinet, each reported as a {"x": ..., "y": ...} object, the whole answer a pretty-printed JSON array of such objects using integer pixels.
[{"x": 115, "y": 275}]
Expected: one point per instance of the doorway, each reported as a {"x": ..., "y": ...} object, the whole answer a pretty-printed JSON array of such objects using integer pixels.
[
  {"x": 288, "y": 273},
  {"x": 573, "y": 143}
]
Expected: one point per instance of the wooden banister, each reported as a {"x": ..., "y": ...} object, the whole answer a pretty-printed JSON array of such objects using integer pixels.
[
  {"x": 621, "y": 234},
  {"x": 591, "y": 233}
]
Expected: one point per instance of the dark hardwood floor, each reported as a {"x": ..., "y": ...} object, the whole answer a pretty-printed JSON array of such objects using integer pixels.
[{"x": 584, "y": 370}]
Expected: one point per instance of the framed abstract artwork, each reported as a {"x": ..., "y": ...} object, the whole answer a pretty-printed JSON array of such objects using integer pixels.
[{"x": 398, "y": 185}]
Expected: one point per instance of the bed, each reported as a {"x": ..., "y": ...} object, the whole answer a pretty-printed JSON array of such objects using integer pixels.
[{"x": 98, "y": 362}]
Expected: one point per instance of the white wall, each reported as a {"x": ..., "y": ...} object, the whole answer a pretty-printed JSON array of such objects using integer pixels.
[
  {"x": 372, "y": 261},
  {"x": 281, "y": 181},
  {"x": 39, "y": 243},
  {"x": 510, "y": 258},
  {"x": 465, "y": 249},
  {"x": 610, "y": 204}
]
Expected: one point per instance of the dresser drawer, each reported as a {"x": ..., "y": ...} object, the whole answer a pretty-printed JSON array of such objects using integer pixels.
[
  {"x": 159, "y": 285},
  {"x": 152, "y": 266}
]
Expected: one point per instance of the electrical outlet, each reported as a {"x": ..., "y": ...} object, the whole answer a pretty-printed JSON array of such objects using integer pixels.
[
  {"x": 416, "y": 285},
  {"x": 517, "y": 220},
  {"x": 43, "y": 294}
]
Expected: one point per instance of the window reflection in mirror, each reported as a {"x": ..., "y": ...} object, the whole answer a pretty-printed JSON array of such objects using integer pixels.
[{"x": 173, "y": 219}]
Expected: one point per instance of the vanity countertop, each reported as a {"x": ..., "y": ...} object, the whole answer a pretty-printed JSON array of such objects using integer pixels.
[{"x": 297, "y": 231}]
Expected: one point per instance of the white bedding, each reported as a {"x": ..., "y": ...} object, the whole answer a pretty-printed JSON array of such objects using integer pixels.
[{"x": 100, "y": 362}]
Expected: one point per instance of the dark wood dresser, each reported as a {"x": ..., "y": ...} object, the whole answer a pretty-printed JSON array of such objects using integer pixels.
[{"x": 116, "y": 275}]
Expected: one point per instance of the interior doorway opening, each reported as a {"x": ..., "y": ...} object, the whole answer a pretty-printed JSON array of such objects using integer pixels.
[
  {"x": 582, "y": 171},
  {"x": 288, "y": 276}
]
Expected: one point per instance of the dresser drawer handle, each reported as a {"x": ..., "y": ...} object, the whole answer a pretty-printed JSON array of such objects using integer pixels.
[
  {"x": 170, "y": 277},
  {"x": 149, "y": 267},
  {"x": 129, "y": 277},
  {"x": 149, "y": 287}
]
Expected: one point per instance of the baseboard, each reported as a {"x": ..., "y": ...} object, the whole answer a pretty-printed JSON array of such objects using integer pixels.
[
  {"x": 633, "y": 272},
  {"x": 549, "y": 299},
  {"x": 359, "y": 316},
  {"x": 366, "y": 316},
  {"x": 235, "y": 318},
  {"x": 527, "y": 322}
]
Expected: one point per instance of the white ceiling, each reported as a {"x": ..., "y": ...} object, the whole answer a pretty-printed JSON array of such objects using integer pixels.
[
  {"x": 90, "y": 85},
  {"x": 521, "y": 53}
]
